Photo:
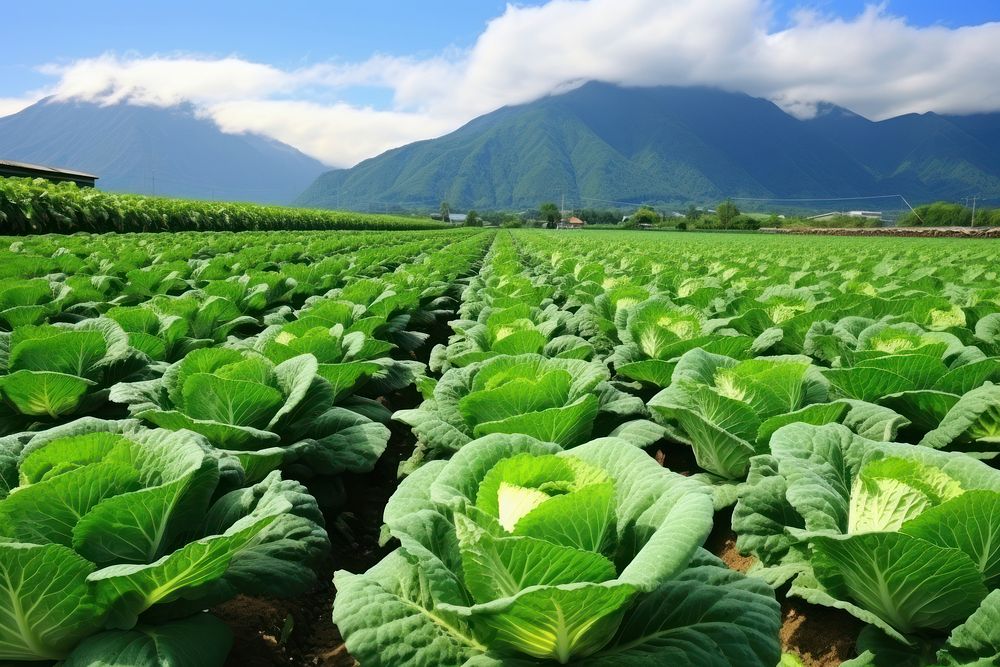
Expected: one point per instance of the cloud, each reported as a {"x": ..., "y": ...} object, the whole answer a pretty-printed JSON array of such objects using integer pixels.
[
  {"x": 11, "y": 105},
  {"x": 339, "y": 133},
  {"x": 874, "y": 63}
]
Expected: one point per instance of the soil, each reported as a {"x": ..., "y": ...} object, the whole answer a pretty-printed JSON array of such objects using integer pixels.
[
  {"x": 299, "y": 631},
  {"x": 819, "y": 636},
  {"x": 676, "y": 457},
  {"x": 310, "y": 637},
  {"x": 722, "y": 542}
]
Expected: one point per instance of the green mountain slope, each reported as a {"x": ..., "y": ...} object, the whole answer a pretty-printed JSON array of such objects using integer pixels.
[
  {"x": 148, "y": 150},
  {"x": 673, "y": 145}
]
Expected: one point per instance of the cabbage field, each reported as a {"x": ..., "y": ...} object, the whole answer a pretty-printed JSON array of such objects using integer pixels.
[{"x": 488, "y": 447}]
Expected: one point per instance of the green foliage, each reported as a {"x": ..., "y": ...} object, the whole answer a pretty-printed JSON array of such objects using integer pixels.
[
  {"x": 938, "y": 214},
  {"x": 38, "y": 206},
  {"x": 267, "y": 414},
  {"x": 600, "y": 216},
  {"x": 472, "y": 219},
  {"x": 549, "y": 212},
  {"x": 53, "y": 372},
  {"x": 727, "y": 213},
  {"x": 555, "y": 400},
  {"x": 644, "y": 216},
  {"x": 108, "y": 520},
  {"x": 945, "y": 214}
]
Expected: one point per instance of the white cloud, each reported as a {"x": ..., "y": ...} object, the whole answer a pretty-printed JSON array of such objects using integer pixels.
[
  {"x": 11, "y": 105},
  {"x": 340, "y": 133},
  {"x": 876, "y": 64}
]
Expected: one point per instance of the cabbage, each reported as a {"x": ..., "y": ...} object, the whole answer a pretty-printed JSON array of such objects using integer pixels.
[{"x": 519, "y": 552}]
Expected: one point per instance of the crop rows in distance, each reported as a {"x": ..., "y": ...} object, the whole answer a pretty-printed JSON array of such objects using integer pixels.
[
  {"x": 171, "y": 401},
  {"x": 38, "y": 206}
]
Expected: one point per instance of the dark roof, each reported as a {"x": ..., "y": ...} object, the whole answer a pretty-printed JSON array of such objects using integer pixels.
[{"x": 46, "y": 169}]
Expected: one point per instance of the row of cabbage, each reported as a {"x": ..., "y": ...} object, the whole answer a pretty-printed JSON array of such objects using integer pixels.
[
  {"x": 175, "y": 405},
  {"x": 842, "y": 396},
  {"x": 38, "y": 206},
  {"x": 532, "y": 527}
]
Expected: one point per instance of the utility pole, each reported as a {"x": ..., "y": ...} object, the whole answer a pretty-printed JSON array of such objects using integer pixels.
[{"x": 974, "y": 210}]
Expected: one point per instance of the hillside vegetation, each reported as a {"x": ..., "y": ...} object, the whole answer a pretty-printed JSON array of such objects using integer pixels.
[{"x": 602, "y": 143}]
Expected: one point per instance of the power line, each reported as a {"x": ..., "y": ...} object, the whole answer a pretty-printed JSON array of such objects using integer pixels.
[
  {"x": 829, "y": 199},
  {"x": 816, "y": 198}
]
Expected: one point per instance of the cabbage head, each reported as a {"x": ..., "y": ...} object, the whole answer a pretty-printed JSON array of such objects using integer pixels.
[
  {"x": 114, "y": 538},
  {"x": 519, "y": 552},
  {"x": 565, "y": 401},
  {"x": 901, "y": 536},
  {"x": 268, "y": 415},
  {"x": 53, "y": 372},
  {"x": 727, "y": 409}
]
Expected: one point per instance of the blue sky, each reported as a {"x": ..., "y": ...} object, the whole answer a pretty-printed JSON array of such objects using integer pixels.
[
  {"x": 948, "y": 13},
  {"x": 289, "y": 34},
  {"x": 385, "y": 72},
  {"x": 286, "y": 34}
]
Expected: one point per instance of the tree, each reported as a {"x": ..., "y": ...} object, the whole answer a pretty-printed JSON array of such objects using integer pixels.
[
  {"x": 472, "y": 219},
  {"x": 550, "y": 212},
  {"x": 693, "y": 213},
  {"x": 645, "y": 216},
  {"x": 727, "y": 213},
  {"x": 445, "y": 211},
  {"x": 600, "y": 216}
]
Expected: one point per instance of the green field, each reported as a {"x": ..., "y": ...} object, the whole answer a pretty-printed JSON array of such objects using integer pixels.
[{"x": 524, "y": 447}]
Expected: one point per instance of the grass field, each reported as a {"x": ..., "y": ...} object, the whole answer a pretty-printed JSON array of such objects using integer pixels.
[{"x": 467, "y": 447}]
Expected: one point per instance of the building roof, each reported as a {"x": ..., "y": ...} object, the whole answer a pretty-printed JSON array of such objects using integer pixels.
[
  {"x": 575, "y": 221},
  {"x": 54, "y": 171},
  {"x": 846, "y": 214}
]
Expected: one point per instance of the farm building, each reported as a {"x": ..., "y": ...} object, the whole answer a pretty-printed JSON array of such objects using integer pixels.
[
  {"x": 571, "y": 222},
  {"x": 871, "y": 215},
  {"x": 11, "y": 169},
  {"x": 457, "y": 218}
]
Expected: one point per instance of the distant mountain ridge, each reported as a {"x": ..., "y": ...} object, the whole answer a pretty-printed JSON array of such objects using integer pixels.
[
  {"x": 605, "y": 143},
  {"x": 152, "y": 150}
]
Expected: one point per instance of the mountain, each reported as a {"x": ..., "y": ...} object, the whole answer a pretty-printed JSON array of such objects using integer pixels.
[
  {"x": 151, "y": 150},
  {"x": 602, "y": 143},
  {"x": 925, "y": 157}
]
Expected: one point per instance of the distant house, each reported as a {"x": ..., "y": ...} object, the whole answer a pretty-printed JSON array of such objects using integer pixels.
[
  {"x": 11, "y": 169},
  {"x": 571, "y": 222},
  {"x": 457, "y": 218},
  {"x": 870, "y": 215}
]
